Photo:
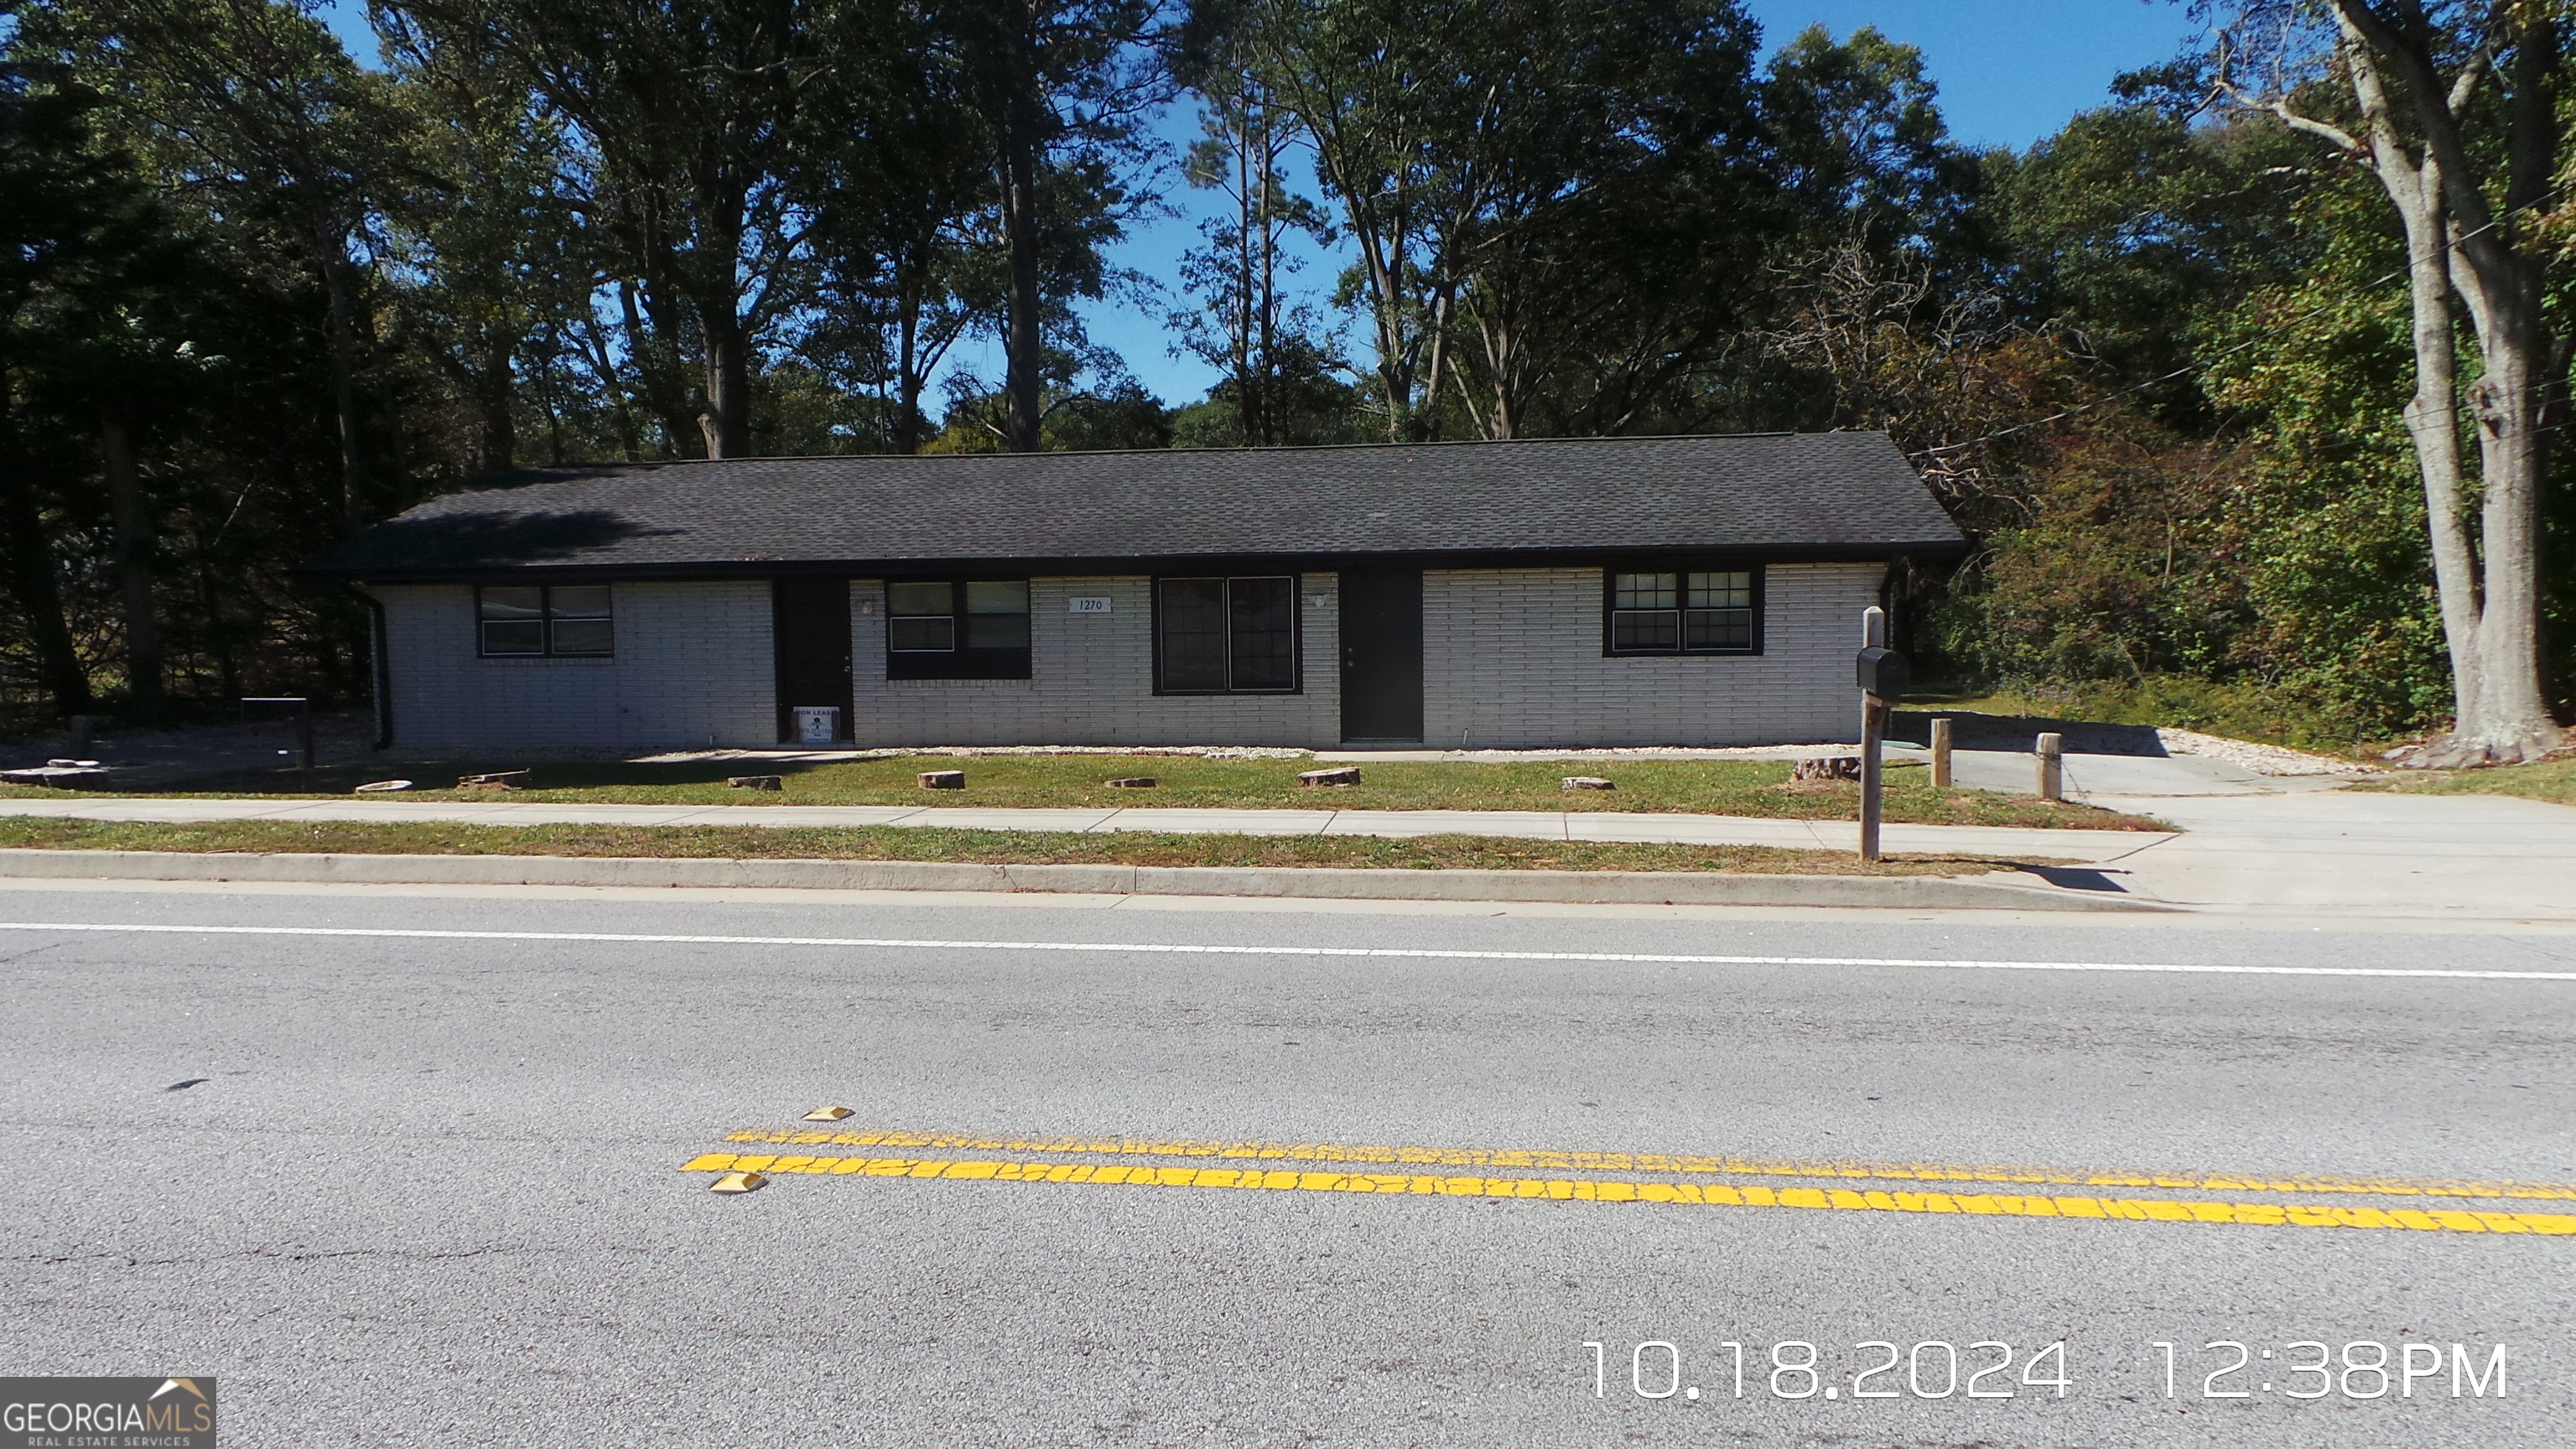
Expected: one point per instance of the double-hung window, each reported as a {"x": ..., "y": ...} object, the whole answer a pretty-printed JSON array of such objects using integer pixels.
[
  {"x": 1226, "y": 635},
  {"x": 957, "y": 629},
  {"x": 1683, "y": 611},
  {"x": 567, "y": 620}
]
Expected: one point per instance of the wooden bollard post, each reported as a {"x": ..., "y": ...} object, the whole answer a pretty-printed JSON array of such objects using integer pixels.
[
  {"x": 2052, "y": 767},
  {"x": 1940, "y": 754}
]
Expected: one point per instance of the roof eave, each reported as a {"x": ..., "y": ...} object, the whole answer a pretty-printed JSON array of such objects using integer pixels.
[{"x": 716, "y": 570}]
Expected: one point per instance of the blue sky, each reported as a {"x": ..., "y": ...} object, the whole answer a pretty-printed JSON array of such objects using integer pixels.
[{"x": 2010, "y": 71}]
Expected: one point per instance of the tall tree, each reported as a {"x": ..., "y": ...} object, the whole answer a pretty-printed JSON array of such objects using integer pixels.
[
  {"x": 1359, "y": 77},
  {"x": 910, "y": 258},
  {"x": 1060, "y": 85},
  {"x": 1863, "y": 147},
  {"x": 2453, "y": 106},
  {"x": 73, "y": 221},
  {"x": 1262, "y": 342},
  {"x": 255, "y": 102},
  {"x": 1623, "y": 186},
  {"x": 689, "y": 118},
  {"x": 1531, "y": 191},
  {"x": 487, "y": 231}
]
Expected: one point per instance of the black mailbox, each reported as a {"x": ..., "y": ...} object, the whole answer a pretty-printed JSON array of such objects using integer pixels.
[{"x": 1883, "y": 672}]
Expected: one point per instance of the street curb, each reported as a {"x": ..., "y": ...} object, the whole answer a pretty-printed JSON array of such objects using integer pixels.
[{"x": 1693, "y": 888}]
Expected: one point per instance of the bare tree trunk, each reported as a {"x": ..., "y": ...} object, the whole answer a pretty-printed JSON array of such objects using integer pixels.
[
  {"x": 603, "y": 365},
  {"x": 2490, "y": 586},
  {"x": 2459, "y": 245},
  {"x": 499, "y": 431},
  {"x": 344, "y": 386},
  {"x": 134, "y": 549},
  {"x": 908, "y": 380},
  {"x": 28, "y": 557},
  {"x": 1024, "y": 342},
  {"x": 1265, "y": 344},
  {"x": 1250, "y": 390},
  {"x": 648, "y": 349},
  {"x": 1379, "y": 228},
  {"x": 727, "y": 419}
]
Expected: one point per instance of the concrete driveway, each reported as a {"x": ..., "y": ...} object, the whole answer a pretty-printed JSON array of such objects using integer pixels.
[
  {"x": 2365, "y": 855},
  {"x": 2304, "y": 843},
  {"x": 2094, "y": 777}
]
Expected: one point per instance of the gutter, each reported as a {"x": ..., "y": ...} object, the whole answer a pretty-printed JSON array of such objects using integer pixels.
[
  {"x": 1090, "y": 566},
  {"x": 380, "y": 669}
]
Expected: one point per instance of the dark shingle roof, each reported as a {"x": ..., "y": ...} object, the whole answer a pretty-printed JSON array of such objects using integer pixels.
[{"x": 1817, "y": 494}]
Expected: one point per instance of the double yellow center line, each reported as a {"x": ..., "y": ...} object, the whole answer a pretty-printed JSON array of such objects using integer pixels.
[{"x": 1300, "y": 1168}]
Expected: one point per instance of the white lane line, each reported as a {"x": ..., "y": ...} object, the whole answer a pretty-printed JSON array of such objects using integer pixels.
[{"x": 1365, "y": 952}]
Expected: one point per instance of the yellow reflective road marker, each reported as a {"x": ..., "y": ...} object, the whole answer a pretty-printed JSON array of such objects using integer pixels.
[
  {"x": 737, "y": 1182},
  {"x": 827, "y": 1114},
  {"x": 1359, "y": 1154},
  {"x": 1587, "y": 1189}
]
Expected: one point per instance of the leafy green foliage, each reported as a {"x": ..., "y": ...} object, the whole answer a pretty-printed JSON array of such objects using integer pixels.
[{"x": 2154, "y": 364}]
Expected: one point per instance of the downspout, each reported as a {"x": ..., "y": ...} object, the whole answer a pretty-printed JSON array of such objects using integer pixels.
[
  {"x": 1891, "y": 589},
  {"x": 380, "y": 667}
]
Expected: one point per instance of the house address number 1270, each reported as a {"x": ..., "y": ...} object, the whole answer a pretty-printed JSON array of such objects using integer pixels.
[{"x": 1087, "y": 606}]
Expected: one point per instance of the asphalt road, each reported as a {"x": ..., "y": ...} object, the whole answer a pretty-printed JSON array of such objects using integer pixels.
[{"x": 429, "y": 1190}]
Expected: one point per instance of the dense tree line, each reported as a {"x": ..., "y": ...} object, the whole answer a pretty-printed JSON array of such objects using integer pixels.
[{"x": 258, "y": 294}]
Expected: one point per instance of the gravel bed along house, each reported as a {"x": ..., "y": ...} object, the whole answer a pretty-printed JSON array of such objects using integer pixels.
[{"x": 2261, "y": 759}]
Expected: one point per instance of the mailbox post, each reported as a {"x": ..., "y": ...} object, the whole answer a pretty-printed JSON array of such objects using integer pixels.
[{"x": 1883, "y": 677}]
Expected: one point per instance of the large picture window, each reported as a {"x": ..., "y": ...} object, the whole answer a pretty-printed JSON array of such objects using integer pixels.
[
  {"x": 1684, "y": 611},
  {"x": 570, "y": 620},
  {"x": 957, "y": 629},
  {"x": 1226, "y": 635}
]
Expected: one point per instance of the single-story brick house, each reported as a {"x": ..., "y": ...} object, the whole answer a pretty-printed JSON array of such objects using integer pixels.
[{"x": 1625, "y": 591}]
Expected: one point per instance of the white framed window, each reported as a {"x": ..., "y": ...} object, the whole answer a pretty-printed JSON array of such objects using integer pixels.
[
  {"x": 544, "y": 620},
  {"x": 1682, "y": 611}
]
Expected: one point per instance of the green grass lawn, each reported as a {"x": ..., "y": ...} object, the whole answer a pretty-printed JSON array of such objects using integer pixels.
[
  {"x": 1751, "y": 787},
  {"x": 2550, "y": 780},
  {"x": 1016, "y": 847}
]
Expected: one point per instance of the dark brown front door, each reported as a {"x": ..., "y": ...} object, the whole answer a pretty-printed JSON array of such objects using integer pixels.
[
  {"x": 810, "y": 620},
  {"x": 1382, "y": 654}
]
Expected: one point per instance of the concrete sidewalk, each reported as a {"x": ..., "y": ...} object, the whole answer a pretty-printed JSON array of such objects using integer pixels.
[
  {"x": 2090, "y": 846},
  {"x": 2344, "y": 853}
]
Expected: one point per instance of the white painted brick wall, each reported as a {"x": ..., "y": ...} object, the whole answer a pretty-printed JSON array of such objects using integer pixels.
[
  {"x": 693, "y": 664},
  {"x": 1094, "y": 680},
  {"x": 1512, "y": 660}
]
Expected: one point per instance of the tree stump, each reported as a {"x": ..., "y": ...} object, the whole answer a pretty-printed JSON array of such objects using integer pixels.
[
  {"x": 1140, "y": 782},
  {"x": 495, "y": 780},
  {"x": 943, "y": 779},
  {"x": 1827, "y": 767},
  {"x": 1346, "y": 775},
  {"x": 1588, "y": 782},
  {"x": 755, "y": 782}
]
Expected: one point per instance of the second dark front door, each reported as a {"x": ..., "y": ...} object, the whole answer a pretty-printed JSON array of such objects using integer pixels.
[
  {"x": 1382, "y": 655},
  {"x": 810, "y": 621}
]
